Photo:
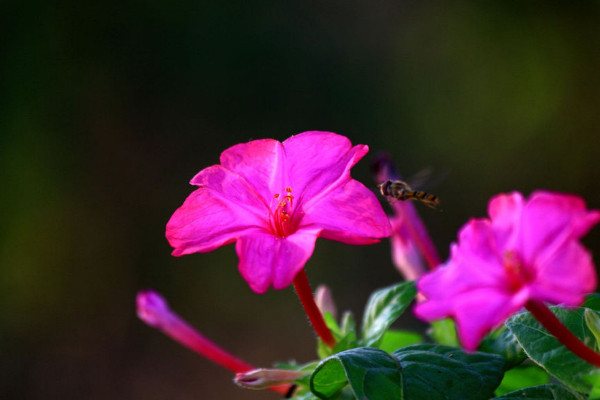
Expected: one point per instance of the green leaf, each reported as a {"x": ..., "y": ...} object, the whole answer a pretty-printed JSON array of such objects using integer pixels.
[
  {"x": 522, "y": 377},
  {"x": 383, "y": 308},
  {"x": 332, "y": 323},
  {"x": 344, "y": 336},
  {"x": 436, "y": 372},
  {"x": 550, "y": 391},
  {"x": 348, "y": 324},
  {"x": 592, "y": 301},
  {"x": 444, "y": 332},
  {"x": 552, "y": 355},
  {"x": 394, "y": 339},
  {"x": 373, "y": 374},
  {"x": 504, "y": 343},
  {"x": 592, "y": 321},
  {"x": 594, "y": 380},
  {"x": 418, "y": 372}
]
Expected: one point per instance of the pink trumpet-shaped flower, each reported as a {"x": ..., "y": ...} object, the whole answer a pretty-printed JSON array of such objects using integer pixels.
[
  {"x": 273, "y": 200},
  {"x": 528, "y": 250}
]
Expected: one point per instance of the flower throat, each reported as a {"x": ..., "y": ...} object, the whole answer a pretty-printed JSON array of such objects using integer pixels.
[{"x": 280, "y": 213}]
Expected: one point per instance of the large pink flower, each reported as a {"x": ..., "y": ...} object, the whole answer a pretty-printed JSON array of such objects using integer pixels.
[
  {"x": 527, "y": 250},
  {"x": 274, "y": 199}
]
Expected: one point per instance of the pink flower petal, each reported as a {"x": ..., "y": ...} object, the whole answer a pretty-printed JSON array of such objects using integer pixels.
[
  {"x": 234, "y": 188},
  {"x": 349, "y": 214},
  {"x": 505, "y": 213},
  {"x": 566, "y": 277},
  {"x": 475, "y": 260},
  {"x": 480, "y": 311},
  {"x": 406, "y": 255},
  {"x": 207, "y": 220},
  {"x": 261, "y": 164},
  {"x": 267, "y": 260},
  {"x": 550, "y": 219},
  {"x": 318, "y": 162}
]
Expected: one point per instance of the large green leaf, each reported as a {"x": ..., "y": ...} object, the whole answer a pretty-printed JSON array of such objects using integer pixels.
[
  {"x": 550, "y": 391},
  {"x": 547, "y": 351},
  {"x": 418, "y": 372},
  {"x": 373, "y": 374},
  {"x": 383, "y": 308},
  {"x": 436, "y": 372}
]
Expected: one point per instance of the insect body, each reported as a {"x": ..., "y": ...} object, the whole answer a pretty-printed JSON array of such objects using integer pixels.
[{"x": 400, "y": 190}]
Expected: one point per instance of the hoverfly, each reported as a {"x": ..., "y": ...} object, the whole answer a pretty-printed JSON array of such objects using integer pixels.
[{"x": 400, "y": 190}]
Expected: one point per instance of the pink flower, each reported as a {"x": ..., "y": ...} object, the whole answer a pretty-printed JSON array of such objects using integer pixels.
[
  {"x": 274, "y": 199},
  {"x": 527, "y": 251}
]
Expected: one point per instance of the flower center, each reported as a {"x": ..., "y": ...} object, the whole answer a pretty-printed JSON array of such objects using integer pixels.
[
  {"x": 516, "y": 273},
  {"x": 280, "y": 213}
]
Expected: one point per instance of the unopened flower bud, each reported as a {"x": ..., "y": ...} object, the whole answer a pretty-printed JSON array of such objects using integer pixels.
[
  {"x": 264, "y": 378},
  {"x": 152, "y": 308},
  {"x": 324, "y": 300}
]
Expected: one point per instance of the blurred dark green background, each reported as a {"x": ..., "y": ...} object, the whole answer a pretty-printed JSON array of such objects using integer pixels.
[{"x": 108, "y": 109}]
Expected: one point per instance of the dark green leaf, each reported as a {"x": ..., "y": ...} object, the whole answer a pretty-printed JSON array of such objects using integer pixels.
[
  {"x": 383, "y": 308},
  {"x": 504, "y": 343},
  {"x": 550, "y": 391},
  {"x": 592, "y": 301},
  {"x": 436, "y": 372},
  {"x": 548, "y": 352},
  {"x": 372, "y": 373},
  {"x": 393, "y": 340}
]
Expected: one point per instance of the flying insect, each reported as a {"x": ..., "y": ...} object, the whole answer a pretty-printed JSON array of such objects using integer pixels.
[{"x": 400, "y": 190}]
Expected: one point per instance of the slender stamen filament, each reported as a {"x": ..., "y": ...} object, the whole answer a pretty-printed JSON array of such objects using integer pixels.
[{"x": 281, "y": 215}]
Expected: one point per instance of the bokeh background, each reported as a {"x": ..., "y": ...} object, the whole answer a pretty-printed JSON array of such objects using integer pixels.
[{"x": 107, "y": 109}]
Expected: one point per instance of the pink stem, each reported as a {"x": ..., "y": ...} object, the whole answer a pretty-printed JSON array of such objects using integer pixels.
[
  {"x": 312, "y": 311},
  {"x": 190, "y": 338},
  {"x": 546, "y": 317}
]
